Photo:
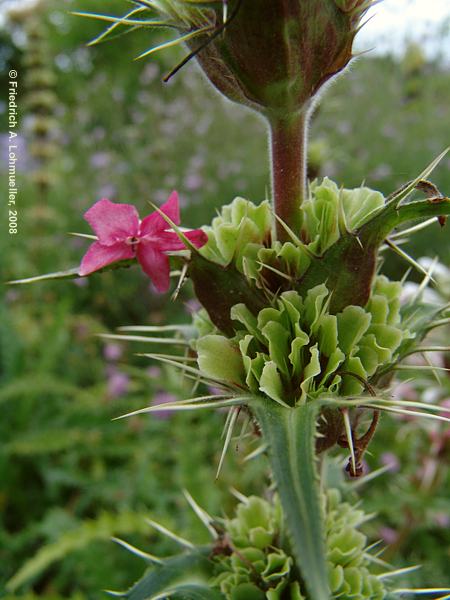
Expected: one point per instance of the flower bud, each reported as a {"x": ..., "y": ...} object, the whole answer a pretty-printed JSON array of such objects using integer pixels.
[
  {"x": 271, "y": 55},
  {"x": 274, "y": 56}
]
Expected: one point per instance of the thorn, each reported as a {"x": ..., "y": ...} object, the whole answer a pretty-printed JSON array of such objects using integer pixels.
[
  {"x": 352, "y": 466},
  {"x": 237, "y": 494},
  {"x": 234, "y": 415},
  {"x": 204, "y": 517},
  {"x": 359, "y": 242},
  {"x": 218, "y": 31},
  {"x": 180, "y": 281},
  {"x": 170, "y": 534},
  {"x": 406, "y": 256},
  {"x": 137, "y": 552}
]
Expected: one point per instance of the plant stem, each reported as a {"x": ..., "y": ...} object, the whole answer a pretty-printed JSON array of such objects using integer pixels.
[
  {"x": 288, "y": 163},
  {"x": 290, "y": 436}
]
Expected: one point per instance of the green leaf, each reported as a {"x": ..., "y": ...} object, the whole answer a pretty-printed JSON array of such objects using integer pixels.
[
  {"x": 290, "y": 434},
  {"x": 191, "y": 570}
]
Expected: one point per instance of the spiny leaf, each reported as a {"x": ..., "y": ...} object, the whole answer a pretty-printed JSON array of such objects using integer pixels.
[
  {"x": 290, "y": 434},
  {"x": 193, "y": 569},
  {"x": 175, "y": 42},
  {"x": 172, "y": 361},
  {"x": 429, "y": 349},
  {"x": 257, "y": 452},
  {"x": 349, "y": 265},
  {"x": 86, "y": 236}
]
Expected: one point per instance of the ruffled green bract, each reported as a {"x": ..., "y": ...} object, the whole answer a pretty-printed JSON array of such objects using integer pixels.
[
  {"x": 296, "y": 350},
  {"x": 242, "y": 233},
  {"x": 257, "y": 563}
]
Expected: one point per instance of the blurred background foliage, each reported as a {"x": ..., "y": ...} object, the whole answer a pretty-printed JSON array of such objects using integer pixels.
[{"x": 94, "y": 124}]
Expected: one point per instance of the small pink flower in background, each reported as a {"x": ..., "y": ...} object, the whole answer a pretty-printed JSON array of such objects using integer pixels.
[
  {"x": 390, "y": 460},
  {"x": 80, "y": 282},
  {"x": 389, "y": 535},
  {"x": 446, "y": 404},
  {"x": 153, "y": 372},
  {"x": 118, "y": 383},
  {"x": 112, "y": 352},
  {"x": 122, "y": 235},
  {"x": 192, "y": 306},
  {"x": 442, "y": 520}
]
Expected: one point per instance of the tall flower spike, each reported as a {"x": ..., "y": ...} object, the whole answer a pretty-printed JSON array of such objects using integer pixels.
[{"x": 122, "y": 236}]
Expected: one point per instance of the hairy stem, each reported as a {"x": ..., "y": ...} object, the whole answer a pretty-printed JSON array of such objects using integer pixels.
[{"x": 288, "y": 142}]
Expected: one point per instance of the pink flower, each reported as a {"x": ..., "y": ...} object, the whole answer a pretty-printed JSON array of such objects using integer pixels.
[
  {"x": 122, "y": 235},
  {"x": 118, "y": 383},
  {"x": 389, "y": 535}
]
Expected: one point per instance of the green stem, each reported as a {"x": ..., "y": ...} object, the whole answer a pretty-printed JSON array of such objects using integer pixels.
[
  {"x": 288, "y": 142},
  {"x": 290, "y": 435}
]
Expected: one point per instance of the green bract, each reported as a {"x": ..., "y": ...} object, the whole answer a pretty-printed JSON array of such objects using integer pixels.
[
  {"x": 257, "y": 563},
  {"x": 330, "y": 212},
  {"x": 309, "y": 319},
  {"x": 297, "y": 350},
  {"x": 338, "y": 244},
  {"x": 242, "y": 233},
  {"x": 240, "y": 227}
]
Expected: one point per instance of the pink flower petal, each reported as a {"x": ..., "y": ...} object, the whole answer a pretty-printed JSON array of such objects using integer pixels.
[
  {"x": 197, "y": 237},
  {"x": 156, "y": 265},
  {"x": 169, "y": 240},
  {"x": 98, "y": 256},
  {"x": 113, "y": 222},
  {"x": 156, "y": 223}
]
